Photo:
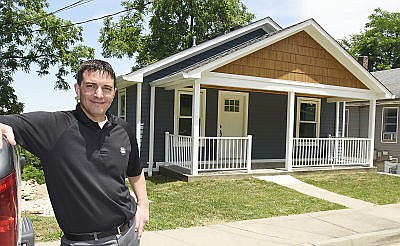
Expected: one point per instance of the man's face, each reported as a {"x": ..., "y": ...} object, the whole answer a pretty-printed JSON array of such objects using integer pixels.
[{"x": 96, "y": 94}]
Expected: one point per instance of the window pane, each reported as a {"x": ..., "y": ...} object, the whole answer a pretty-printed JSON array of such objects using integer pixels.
[
  {"x": 390, "y": 128},
  {"x": 186, "y": 105},
  {"x": 307, "y": 111},
  {"x": 185, "y": 126},
  {"x": 307, "y": 130},
  {"x": 122, "y": 105}
]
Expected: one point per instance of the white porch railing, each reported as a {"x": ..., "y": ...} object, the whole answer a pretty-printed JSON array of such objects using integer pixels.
[
  {"x": 330, "y": 151},
  {"x": 215, "y": 153}
]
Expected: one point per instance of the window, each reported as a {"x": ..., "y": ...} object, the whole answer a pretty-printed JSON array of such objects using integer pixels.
[
  {"x": 122, "y": 104},
  {"x": 308, "y": 113},
  {"x": 183, "y": 112},
  {"x": 389, "y": 124},
  {"x": 231, "y": 105}
]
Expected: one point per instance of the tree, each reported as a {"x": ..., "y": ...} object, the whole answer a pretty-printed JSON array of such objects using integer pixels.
[
  {"x": 171, "y": 26},
  {"x": 380, "y": 41},
  {"x": 31, "y": 36}
]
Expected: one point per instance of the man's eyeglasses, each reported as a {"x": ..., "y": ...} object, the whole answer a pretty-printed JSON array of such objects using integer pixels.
[{"x": 92, "y": 88}]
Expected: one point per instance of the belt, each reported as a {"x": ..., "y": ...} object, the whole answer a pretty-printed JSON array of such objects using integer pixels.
[{"x": 97, "y": 235}]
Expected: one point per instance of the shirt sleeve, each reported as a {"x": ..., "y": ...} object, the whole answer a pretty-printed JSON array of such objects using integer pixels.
[
  {"x": 134, "y": 164},
  {"x": 36, "y": 131}
]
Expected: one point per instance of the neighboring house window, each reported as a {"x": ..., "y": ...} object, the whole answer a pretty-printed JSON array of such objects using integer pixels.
[
  {"x": 183, "y": 112},
  {"x": 122, "y": 104},
  {"x": 308, "y": 115},
  {"x": 389, "y": 124}
]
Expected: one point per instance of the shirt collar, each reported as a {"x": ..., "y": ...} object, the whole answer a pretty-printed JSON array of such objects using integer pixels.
[{"x": 82, "y": 117}]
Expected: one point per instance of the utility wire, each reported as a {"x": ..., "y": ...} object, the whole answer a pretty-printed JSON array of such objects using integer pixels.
[
  {"x": 70, "y": 6},
  {"x": 89, "y": 20}
]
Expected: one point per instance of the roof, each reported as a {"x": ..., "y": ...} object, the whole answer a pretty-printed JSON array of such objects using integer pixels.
[
  {"x": 390, "y": 79},
  {"x": 260, "y": 27},
  {"x": 190, "y": 64}
]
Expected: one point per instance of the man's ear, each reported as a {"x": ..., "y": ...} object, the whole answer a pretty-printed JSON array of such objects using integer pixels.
[{"x": 77, "y": 91}]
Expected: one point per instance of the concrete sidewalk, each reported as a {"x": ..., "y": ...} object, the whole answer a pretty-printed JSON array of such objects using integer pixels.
[
  {"x": 377, "y": 225},
  {"x": 362, "y": 224}
]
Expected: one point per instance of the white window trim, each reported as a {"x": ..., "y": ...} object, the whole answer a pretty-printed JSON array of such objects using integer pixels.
[
  {"x": 121, "y": 92},
  {"x": 382, "y": 126},
  {"x": 318, "y": 112},
  {"x": 189, "y": 91}
]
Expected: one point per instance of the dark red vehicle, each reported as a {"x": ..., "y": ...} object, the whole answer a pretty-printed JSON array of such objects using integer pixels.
[{"x": 14, "y": 229}]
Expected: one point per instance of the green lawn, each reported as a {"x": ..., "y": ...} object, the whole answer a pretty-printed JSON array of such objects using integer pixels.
[
  {"x": 179, "y": 204},
  {"x": 371, "y": 187}
]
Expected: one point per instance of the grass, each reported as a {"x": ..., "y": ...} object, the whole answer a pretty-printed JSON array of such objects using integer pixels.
[
  {"x": 178, "y": 204},
  {"x": 370, "y": 187}
]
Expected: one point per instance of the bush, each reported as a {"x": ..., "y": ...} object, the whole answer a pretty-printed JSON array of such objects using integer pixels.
[{"x": 33, "y": 169}]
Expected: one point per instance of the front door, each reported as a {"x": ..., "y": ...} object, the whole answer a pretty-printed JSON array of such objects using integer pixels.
[{"x": 232, "y": 114}]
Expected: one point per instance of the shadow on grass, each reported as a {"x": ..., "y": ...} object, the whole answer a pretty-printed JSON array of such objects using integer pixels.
[{"x": 160, "y": 179}]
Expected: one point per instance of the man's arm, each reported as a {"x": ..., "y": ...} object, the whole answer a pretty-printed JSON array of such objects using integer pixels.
[
  {"x": 138, "y": 184},
  {"x": 6, "y": 131}
]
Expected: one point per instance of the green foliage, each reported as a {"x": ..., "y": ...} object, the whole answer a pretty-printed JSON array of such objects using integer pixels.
[
  {"x": 29, "y": 35},
  {"x": 380, "y": 41},
  {"x": 155, "y": 29},
  {"x": 33, "y": 169}
]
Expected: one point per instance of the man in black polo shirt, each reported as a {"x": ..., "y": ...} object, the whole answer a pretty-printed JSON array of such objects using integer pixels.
[{"x": 86, "y": 155}]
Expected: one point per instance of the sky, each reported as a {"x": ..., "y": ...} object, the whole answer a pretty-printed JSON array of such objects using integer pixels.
[{"x": 340, "y": 18}]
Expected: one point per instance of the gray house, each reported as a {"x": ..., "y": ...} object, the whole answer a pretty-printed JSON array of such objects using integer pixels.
[
  {"x": 387, "y": 115},
  {"x": 258, "y": 94}
]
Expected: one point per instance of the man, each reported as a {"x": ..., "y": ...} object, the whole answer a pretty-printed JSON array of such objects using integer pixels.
[{"x": 86, "y": 155}]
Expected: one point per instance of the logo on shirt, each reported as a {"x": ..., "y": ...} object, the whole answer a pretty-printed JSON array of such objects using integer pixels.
[{"x": 122, "y": 150}]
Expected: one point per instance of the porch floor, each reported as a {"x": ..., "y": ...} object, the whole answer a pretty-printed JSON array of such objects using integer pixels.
[{"x": 258, "y": 169}]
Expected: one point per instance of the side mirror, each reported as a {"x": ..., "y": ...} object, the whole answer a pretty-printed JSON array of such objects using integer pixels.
[{"x": 22, "y": 162}]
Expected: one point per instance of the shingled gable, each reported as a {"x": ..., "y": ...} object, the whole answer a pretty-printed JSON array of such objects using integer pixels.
[
  {"x": 200, "y": 52},
  {"x": 359, "y": 77}
]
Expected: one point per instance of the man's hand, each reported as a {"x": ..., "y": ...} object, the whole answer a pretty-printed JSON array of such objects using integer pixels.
[
  {"x": 141, "y": 218},
  {"x": 138, "y": 184},
  {"x": 6, "y": 131}
]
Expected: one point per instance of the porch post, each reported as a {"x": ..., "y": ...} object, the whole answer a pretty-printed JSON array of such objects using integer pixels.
[
  {"x": 344, "y": 120},
  {"x": 151, "y": 131},
  {"x": 195, "y": 127},
  {"x": 289, "y": 130},
  {"x": 371, "y": 130},
  {"x": 138, "y": 113},
  {"x": 337, "y": 119}
]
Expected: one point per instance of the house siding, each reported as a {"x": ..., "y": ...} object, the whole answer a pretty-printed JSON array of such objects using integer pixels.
[
  {"x": 267, "y": 125},
  {"x": 296, "y": 58},
  {"x": 358, "y": 122},
  {"x": 392, "y": 148},
  {"x": 327, "y": 119},
  {"x": 163, "y": 121}
]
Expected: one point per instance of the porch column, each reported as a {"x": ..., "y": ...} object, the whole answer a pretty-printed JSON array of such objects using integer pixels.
[
  {"x": 138, "y": 113},
  {"x": 289, "y": 131},
  {"x": 371, "y": 130},
  {"x": 151, "y": 130},
  {"x": 337, "y": 119},
  {"x": 344, "y": 119},
  {"x": 195, "y": 127}
]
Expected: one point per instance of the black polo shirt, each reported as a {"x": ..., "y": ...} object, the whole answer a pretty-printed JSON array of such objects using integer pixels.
[{"x": 85, "y": 166}]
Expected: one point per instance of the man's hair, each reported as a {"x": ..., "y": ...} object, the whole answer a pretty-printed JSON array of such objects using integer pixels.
[{"x": 93, "y": 66}]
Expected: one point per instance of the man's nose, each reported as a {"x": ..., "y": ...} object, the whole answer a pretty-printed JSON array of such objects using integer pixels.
[{"x": 99, "y": 92}]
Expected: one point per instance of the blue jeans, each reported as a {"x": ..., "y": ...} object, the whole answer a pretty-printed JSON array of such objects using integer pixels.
[{"x": 128, "y": 238}]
